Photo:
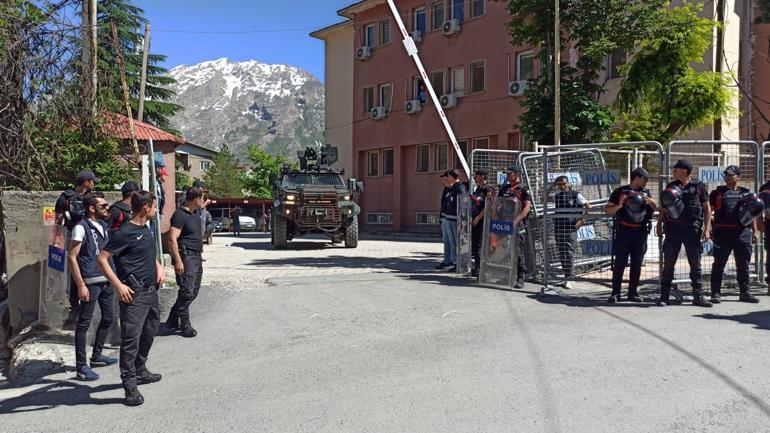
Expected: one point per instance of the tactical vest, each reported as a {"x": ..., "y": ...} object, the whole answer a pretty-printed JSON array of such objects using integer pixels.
[
  {"x": 693, "y": 212},
  {"x": 90, "y": 248},
  {"x": 623, "y": 219},
  {"x": 565, "y": 202},
  {"x": 726, "y": 206}
]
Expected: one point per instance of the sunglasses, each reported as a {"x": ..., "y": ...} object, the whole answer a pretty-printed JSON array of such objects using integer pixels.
[{"x": 103, "y": 206}]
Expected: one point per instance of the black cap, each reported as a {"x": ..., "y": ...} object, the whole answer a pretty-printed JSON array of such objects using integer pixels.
[
  {"x": 198, "y": 183},
  {"x": 129, "y": 186},
  {"x": 514, "y": 169},
  {"x": 639, "y": 172},
  {"x": 453, "y": 173},
  {"x": 685, "y": 164},
  {"x": 732, "y": 170},
  {"x": 87, "y": 175},
  {"x": 481, "y": 172}
]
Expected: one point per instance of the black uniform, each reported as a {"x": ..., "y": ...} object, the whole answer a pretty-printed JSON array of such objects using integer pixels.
[
  {"x": 70, "y": 205},
  {"x": 478, "y": 200},
  {"x": 686, "y": 230},
  {"x": 730, "y": 235},
  {"x": 522, "y": 193},
  {"x": 120, "y": 214},
  {"x": 766, "y": 187},
  {"x": 629, "y": 239},
  {"x": 565, "y": 234},
  {"x": 134, "y": 250},
  {"x": 190, "y": 244}
]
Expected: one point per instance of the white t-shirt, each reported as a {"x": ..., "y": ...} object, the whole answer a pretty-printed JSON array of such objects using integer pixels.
[{"x": 79, "y": 233}]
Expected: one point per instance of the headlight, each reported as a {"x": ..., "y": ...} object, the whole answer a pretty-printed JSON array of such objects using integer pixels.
[
  {"x": 346, "y": 198},
  {"x": 290, "y": 197},
  {"x": 288, "y": 211},
  {"x": 289, "y": 202}
]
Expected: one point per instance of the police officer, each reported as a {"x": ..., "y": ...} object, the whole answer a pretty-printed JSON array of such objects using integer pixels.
[
  {"x": 764, "y": 225},
  {"x": 120, "y": 211},
  {"x": 513, "y": 187},
  {"x": 632, "y": 207},
  {"x": 567, "y": 221},
  {"x": 478, "y": 201},
  {"x": 136, "y": 279},
  {"x": 186, "y": 243},
  {"x": 685, "y": 218},
  {"x": 731, "y": 234}
]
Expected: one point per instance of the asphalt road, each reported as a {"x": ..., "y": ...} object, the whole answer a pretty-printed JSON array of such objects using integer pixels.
[{"x": 323, "y": 339}]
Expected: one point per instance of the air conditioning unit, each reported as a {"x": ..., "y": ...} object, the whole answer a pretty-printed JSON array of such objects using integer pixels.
[
  {"x": 378, "y": 113},
  {"x": 517, "y": 88},
  {"x": 451, "y": 27},
  {"x": 363, "y": 53},
  {"x": 417, "y": 36},
  {"x": 448, "y": 101},
  {"x": 413, "y": 106}
]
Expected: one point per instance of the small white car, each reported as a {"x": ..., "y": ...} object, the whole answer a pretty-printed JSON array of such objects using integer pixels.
[{"x": 247, "y": 223}]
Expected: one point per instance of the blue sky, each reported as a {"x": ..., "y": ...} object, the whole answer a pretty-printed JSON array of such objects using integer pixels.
[{"x": 295, "y": 48}]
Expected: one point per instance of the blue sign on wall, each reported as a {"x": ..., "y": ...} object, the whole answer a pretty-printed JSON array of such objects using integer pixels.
[
  {"x": 597, "y": 248},
  {"x": 501, "y": 227},
  {"x": 601, "y": 177},
  {"x": 56, "y": 258}
]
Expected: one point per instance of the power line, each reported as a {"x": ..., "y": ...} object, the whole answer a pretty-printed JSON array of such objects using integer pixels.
[{"x": 233, "y": 32}]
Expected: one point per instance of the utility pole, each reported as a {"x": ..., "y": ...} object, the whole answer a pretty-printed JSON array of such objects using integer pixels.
[
  {"x": 90, "y": 55},
  {"x": 143, "y": 76},
  {"x": 556, "y": 76},
  {"x": 719, "y": 58}
]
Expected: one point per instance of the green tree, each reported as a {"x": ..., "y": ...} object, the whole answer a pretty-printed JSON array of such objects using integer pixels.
[
  {"x": 265, "y": 166},
  {"x": 223, "y": 178},
  {"x": 663, "y": 96},
  {"x": 181, "y": 178},
  {"x": 595, "y": 28}
]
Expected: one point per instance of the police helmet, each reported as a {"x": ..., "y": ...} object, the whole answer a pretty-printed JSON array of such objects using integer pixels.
[
  {"x": 671, "y": 201},
  {"x": 751, "y": 207},
  {"x": 635, "y": 207}
]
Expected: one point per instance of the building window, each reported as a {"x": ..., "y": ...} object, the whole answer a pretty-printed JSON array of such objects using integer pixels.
[
  {"x": 370, "y": 35},
  {"x": 387, "y": 162},
  {"x": 477, "y": 8},
  {"x": 373, "y": 163},
  {"x": 379, "y": 218},
  {"x": 423, "y": 158},
  {"x": 525, "y": 66},
  {"x": 458, "y": 9},
  {"x": 385, "y": 93},
  {"x": 368, "y": 99},
  {"x": 615, "y": 60},
  {"x": 464, "y": 149},
  {"x": 437, "y": 80},
  {"x": 481, "y": 143},
  {"x": 440, "y": 158},
  {"x": 431, "y": 218},
  {"x": 477, "y": 77},
  {"x": 385, "y": 31},
  {"x": 419, "y": 91},
  {"x": 205, "y": 165},
  {"x": 418, "y": 20},
  {"x": 436, "y": 15},
  {"x": 457, "y": 81}
]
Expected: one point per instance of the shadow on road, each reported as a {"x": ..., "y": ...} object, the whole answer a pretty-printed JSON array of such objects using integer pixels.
[
  {"x": 574, "y": 301},
  {"x": 59, "y": 393},
  {"x": 760, "y": 319}
]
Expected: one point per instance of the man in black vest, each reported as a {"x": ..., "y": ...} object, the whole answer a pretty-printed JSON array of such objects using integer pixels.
[
  {"x": 136, "y": 279},
  {"x": 570, "y": 207},
  {"x": 685, "y": 220},
  {"x": 120, "y": 211},
  {"x": 764, "y": 225},
  {"x": 452, "y": 188},
  {"x": 185, "y": 244},
  {"x": 89, "y": 236},
  {"x": 633, "y": 207},
  {"x": 513, "y": 187},
  {"x": 478, "y": 202},
  {"x": 730, "y": 234}
]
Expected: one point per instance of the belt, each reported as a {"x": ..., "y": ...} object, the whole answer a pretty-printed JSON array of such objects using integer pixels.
[
  {"x": 631, "y": 225},
  {"x": 189, "y": 252},
  {"x": 728, "y": 226},
  {"x": 96, "y": 280}
]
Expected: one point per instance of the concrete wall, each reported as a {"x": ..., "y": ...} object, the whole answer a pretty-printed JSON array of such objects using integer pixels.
[
  {"x": 338, "y": 91},
  {"x": 27, "y": 239}
]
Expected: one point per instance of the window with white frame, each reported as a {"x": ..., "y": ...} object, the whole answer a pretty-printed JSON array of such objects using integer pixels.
[
  {"x": 373, "y": 163},
  {"x": 385, "y": 93},
  {"x": 384, "y": 31},
  {"x": 387, "y": 162},
  {"x": 431, "y": 218},
  {"x": 477, "y": 8},
  {"x": 481, "y": 143},
  {"x": 440, "y": 158},
  {"x": 436, "y": 15},
  {"x": 525, "y": 66},
  {"x": 457, "y": 81},
  {"x": 458, "y": 9},
  {"x": 437, "y": 80},
  {"x": 418, "y": 19},
  {"x": 205, "y": 165},
  {"x": 379, "y": 218},
  {"x": 615, "y": 60},
  {"x": 368, "y": 99},
  {"x": 423, "y": 158},
  {"x": 370, "y": 36},
  {"x": 477, "y": 76}
]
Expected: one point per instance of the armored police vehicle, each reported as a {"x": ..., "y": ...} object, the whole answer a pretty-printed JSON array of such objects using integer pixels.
[{"x": 315, "y": 199}]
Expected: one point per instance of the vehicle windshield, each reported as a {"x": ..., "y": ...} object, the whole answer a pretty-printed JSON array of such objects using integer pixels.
[{"x": 301, "y": 179}]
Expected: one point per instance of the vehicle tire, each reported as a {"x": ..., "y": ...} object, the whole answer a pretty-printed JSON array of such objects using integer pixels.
[
  {"x": 279, "y": 232},
  {"x": 351, "y": 234}
]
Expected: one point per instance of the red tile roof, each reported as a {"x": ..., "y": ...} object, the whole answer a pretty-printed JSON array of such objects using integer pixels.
[{"x": 118, "y": 126}]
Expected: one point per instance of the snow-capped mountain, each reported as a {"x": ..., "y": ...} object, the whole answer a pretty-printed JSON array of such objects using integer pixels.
[{"x": 278, "y": 107}]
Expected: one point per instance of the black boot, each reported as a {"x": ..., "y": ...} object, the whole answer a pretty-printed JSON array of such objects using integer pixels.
[
  {"x": 145, "y": 376},
  {"x": 746, "y": 296},
  {"x": 133, "y": 397},
  {"x": 700, "y": 301},
  {"x": 172, "y": 323},
  {"x": 187, "y": 330}
]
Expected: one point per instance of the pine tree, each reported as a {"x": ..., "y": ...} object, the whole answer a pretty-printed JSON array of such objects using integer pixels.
[{"x": 223, "y": 178}]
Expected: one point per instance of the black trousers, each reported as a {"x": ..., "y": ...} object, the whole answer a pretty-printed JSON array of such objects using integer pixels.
[
  {"x": 189, "y": 284},
  {"x": 737, "y": 241},
  {"x": 565, "y": 236},
  {"x": 767, "y": 251},
  {"x": 521, "y": 262},
  {"x": 477, "y": 235},
  {"x": 139, "y": 323},
  {"x": 676, "y": 236},
  {"x": 236, "y": 228},
  {"x": 103, "y": 294},
  {"x": 72, "y": 296},
  {"x": 628, "y": 242}
]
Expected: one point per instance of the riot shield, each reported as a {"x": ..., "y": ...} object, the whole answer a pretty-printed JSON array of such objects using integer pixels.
[
  {"x": 500, "y": 243},
  {"x": 464, "y": 257},
  {"x": 54, "y": 300}
]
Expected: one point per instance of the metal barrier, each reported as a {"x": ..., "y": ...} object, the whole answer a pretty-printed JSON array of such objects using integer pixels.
[
  {"x": 576, "y": 242},
  {"x": 463, "y": 257},
  {"x": 500, "y": 243},
  {"x": 764, "y": 175},
  {"x": 709, "y": 160}
]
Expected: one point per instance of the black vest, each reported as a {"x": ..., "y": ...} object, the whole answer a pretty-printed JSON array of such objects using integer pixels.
[
  {"x": 693, "y": 210},
  {"x": 92, "y": 245},
  {"x": 726, "y": 205},
  {"x": 565, "y": 202}
]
